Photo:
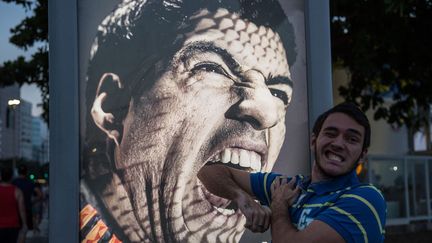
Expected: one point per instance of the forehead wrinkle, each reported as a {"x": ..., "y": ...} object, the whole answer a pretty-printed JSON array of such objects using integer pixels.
[{"x": 207, "y": 46}]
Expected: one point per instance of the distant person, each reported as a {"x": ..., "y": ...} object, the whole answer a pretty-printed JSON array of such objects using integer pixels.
[
  {"x": 37, "y": 207},
  {"x": 12, "y": 208},
  {"x": 28, "y": 189}
]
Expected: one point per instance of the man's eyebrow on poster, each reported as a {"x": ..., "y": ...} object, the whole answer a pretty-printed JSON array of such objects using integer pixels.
[{"x": 225, "y": 64}]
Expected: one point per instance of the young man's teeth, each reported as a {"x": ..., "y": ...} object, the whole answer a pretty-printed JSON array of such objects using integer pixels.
[
  {"x": 242, "y": 157},
  {"x": 334, "y": 157}
]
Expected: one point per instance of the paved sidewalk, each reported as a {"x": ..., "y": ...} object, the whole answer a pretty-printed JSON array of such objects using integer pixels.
[{"x": 42, "y": 236}]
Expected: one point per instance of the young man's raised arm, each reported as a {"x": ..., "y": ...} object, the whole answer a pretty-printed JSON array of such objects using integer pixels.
[{"x": 235, "y": 185}]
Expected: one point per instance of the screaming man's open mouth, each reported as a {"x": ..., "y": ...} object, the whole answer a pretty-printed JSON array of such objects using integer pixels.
[
  {"x": 237, "y": 158},
  {"x": 201, "y": 209}
]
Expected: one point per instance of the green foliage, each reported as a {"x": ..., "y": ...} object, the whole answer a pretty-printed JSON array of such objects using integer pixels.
[
  {"x": 386, "y": 45},
  {"x": 31, "y": 30}
]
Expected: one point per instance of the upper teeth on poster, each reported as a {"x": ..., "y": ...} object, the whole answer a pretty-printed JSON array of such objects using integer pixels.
[{"x": 242, "y": 157}]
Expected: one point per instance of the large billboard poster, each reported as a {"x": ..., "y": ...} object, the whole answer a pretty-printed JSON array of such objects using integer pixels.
[{"x": 170, "y": 86}]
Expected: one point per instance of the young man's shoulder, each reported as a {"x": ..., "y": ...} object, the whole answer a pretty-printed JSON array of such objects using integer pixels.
[
  {"x": 366, "y": 202},
  {"x": 367, "y": 192},
  {"x": 358, "y": 214}
]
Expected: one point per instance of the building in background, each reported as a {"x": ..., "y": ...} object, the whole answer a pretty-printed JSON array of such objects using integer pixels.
[
  {"x": 25, "y": 122},
  {"x": 22, "y": 136},
  {"x": 10, "y": 126},
  {"x": 40, "y": 140}
]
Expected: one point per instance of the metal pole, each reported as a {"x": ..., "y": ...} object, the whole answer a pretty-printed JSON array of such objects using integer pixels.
[
  {"x": 64, "y": 95},
  {"x": 318, "y": 51},
  {"x": 414, "y": 189},
  {"x": 14, "y": 140},
  {"x": 428, "y": 201},
  {"x": 406, "y": 189}
]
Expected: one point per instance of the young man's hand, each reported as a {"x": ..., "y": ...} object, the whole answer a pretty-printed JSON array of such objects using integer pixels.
[
  {"x": 257, "y": 216},
  {"x": 283, "y": 195}
]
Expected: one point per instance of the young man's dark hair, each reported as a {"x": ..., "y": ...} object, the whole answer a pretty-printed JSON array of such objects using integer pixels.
[{"x": 352, "y": 111}]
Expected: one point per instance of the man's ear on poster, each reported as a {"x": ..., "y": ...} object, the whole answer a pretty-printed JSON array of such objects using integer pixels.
[{"x": 107, "y": 118}]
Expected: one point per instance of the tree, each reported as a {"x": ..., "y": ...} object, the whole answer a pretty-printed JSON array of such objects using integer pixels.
[
  {"x": 386, "y": 46},
  {"x": 31, "y": 30}
]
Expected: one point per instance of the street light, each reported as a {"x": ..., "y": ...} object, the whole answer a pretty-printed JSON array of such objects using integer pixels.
[{"x": 13, "y": 104}]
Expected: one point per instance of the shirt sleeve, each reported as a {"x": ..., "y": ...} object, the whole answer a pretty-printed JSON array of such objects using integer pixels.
[
  {"x": 261, "y": 184},
  {"x": 358, "y": 215}
]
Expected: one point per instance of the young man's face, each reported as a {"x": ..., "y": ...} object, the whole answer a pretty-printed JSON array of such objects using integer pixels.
[
  {"x": 223, "y": 98},
  {"x": 339, "y": 145}
]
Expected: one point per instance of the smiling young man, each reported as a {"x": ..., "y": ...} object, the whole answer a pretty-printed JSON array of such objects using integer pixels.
[
  {"x": 171, "y": 86},
  {"x": 329, "y": 206}
]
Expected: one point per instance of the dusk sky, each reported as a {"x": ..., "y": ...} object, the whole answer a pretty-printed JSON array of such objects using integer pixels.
[{"x": 10, "y": 16}]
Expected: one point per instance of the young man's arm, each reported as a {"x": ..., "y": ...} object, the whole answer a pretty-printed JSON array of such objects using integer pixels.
[
  {"x": 283, "y": 196},
  {"x": 357, "y": 216},
  {"x": 235, "y": 185}
]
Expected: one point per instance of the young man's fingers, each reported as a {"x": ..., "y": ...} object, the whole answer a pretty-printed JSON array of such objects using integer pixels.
[
  {"x": 292, "y": 182},
  {"x": 294, "y": 195},
  {"x": 284, "y": 180},
  {"x": 258, "y": 221},
  {"x": 275, "y": 184},
  {"x": 248, "y": 223}
]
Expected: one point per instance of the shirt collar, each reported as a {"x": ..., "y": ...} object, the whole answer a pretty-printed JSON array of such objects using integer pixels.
[{"x": 335, "y": 184}]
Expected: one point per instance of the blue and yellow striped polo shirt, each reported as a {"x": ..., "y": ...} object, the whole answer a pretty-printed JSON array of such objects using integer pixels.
[{"x": 356, "y": 211}]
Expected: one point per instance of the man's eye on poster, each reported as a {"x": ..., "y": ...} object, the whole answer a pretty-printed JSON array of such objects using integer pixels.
[{"x": 170, "y": 87}]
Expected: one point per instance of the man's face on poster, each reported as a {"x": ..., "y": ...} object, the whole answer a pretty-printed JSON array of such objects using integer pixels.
[{"x": 222, "y": 99}]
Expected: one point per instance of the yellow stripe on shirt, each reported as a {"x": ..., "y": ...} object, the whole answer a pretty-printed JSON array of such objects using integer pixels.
[
  {"x": 374, "y": 188},
  {"x": 371, "y": 207},
  {"x": 359, "y": 225},
  {"x": 265, "y": 188}
]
